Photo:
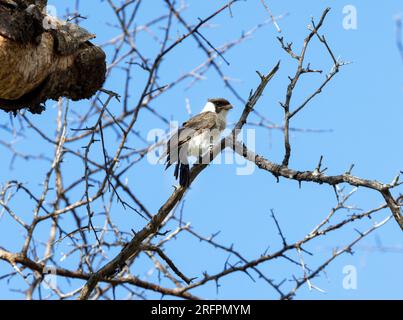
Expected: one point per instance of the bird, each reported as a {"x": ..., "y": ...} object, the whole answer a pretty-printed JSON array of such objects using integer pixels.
[
  {"x": 44, "y": 58},
  {"x": 196, "y": 137}
]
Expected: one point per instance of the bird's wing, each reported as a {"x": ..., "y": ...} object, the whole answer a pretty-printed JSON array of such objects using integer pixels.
[
  {"x": 17, "y": 25},
  {"x": 195, "y": 125},
  {"x": 202, "y": 121},
  {"x": 191, "y": 128}
]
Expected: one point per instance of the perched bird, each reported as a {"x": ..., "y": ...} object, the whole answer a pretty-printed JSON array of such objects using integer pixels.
[
  {"x": 44, "y": 58},
  {"x": 196, "y": 137}
]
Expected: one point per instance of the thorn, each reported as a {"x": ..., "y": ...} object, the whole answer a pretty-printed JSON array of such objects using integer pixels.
[
  {"x": 260, "y": 75},
  {"x": 351, "y": 169},
  {"x": 317, "y": 170},
  {"x": 395, "y": 181},
  {"x": 359, "y": 232}
]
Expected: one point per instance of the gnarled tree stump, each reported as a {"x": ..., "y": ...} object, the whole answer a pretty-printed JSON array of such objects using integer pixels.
[{"x": 42, "y": 57}]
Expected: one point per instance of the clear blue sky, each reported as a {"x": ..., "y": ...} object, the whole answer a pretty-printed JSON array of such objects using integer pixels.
[{"x": 362, "y": 107}]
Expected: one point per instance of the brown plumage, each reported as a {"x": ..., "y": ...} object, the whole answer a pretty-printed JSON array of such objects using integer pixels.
[
  {"x": 196, "y": 137},
  {"x": 195, "y": 126},
  {"x": 44, "y": 58}
]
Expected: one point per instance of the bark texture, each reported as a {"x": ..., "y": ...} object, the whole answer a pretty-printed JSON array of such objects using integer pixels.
[{"x": 44, "y": 58}]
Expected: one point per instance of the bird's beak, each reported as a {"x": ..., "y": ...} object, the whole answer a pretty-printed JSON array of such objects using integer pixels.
[{"x": 228, "y": 107}]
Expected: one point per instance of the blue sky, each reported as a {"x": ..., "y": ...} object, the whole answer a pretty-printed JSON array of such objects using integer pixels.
[{"x": 361, "y": 111}]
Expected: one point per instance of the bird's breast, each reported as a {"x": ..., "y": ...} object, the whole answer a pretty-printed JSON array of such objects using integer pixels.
[{"x": 200, "y": 144}]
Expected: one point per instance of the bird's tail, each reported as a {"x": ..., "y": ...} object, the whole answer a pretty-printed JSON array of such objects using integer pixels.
[
  {"x": 176, "y": 172},
  {"x": 184, "y": 174}
]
